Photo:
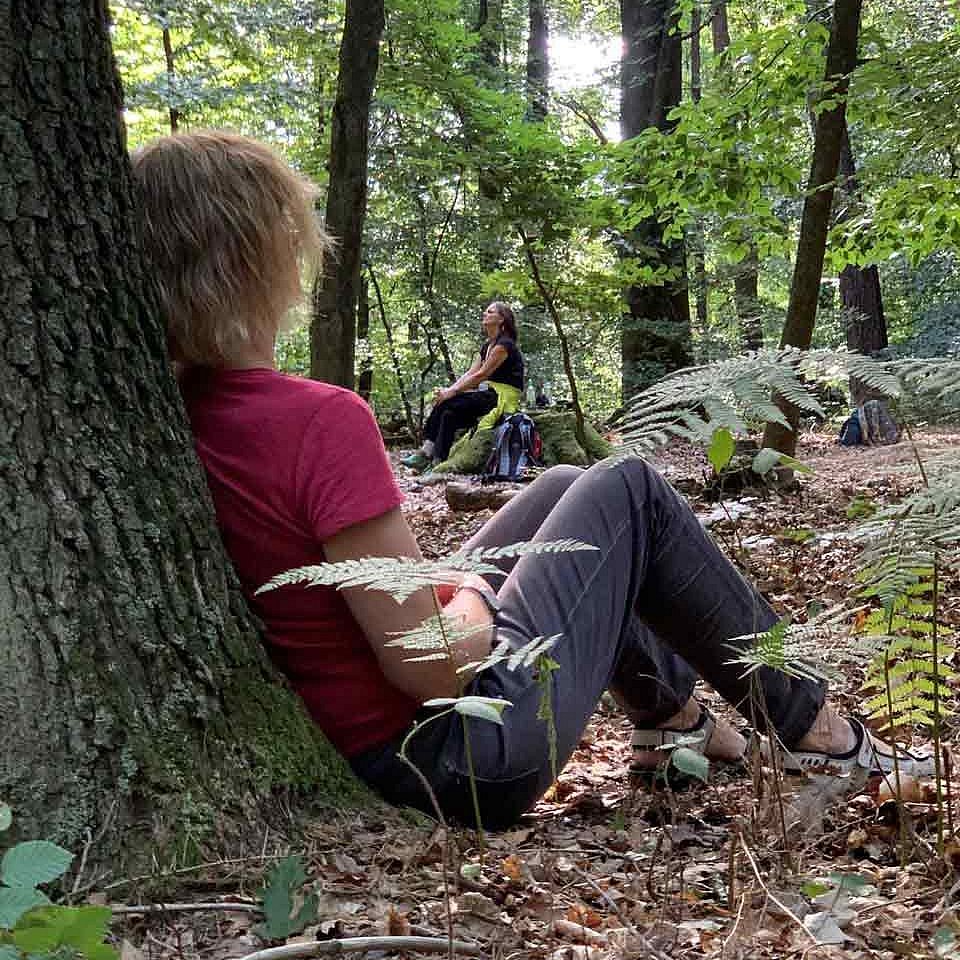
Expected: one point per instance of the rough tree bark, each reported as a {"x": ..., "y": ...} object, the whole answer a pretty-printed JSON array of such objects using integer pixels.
[
  {"x": 538, "y": 60},
  {"x": 860, "y": 294},
  {"x": 656, "y": 329},
  {"x": 137, "y": 704},
  {"x": 333, "y": 330},
  {"x": 812, "y": 243}
]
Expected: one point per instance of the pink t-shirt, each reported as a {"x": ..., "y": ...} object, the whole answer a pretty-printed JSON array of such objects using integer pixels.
[{"x": 290, "y": 462}]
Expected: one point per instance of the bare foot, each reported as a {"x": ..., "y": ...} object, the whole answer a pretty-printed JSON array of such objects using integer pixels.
[
  {"x": 725, "y": 742},
  {"x": 830, "y": 734}
]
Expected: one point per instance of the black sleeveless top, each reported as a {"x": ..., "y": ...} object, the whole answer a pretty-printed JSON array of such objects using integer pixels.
[{"x": 510, "y": 371}]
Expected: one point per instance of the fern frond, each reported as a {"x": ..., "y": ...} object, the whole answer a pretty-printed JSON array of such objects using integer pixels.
[
  {"x": 403, "y": 576},
  {"x": 737, "y": 391}
]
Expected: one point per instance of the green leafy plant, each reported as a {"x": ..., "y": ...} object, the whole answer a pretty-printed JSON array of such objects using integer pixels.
[
  {"x": 32, "y": 926},
  {"x": 285, "y": 912}
]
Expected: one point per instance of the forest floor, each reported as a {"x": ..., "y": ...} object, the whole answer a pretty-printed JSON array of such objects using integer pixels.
[{"x": 608, "y": 867}]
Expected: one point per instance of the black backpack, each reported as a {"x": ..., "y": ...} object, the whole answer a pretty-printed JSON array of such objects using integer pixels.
[{"x": 516, "y": 446}]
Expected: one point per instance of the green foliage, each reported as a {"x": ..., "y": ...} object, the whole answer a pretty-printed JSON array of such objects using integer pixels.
[
  {"x": 794, "y": 649},
  {"x": 480, "y": 708},
  {"x": 721, "y": 449},
  {"x": 285, "y": 914},
  {"x": 30, "y": 925},
  {"x": 403, "y": 576},
  {"x": 736, "y": 393},
  {"x": 691, "y": 763}
]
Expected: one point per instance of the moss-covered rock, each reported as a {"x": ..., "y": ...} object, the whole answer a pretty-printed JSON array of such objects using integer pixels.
[{"x": 560, "y": 445}]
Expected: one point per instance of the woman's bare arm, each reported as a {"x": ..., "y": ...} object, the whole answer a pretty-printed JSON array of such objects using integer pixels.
[
  {"x": 478, "y": 372},
  {"x": 379, "y": 615}
]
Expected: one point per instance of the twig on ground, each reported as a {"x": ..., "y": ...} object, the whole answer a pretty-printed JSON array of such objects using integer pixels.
[
  {"x": 786, "y": 910},
  {"x": 364, "y": 944},
  {"x": 228, "y": 906}
]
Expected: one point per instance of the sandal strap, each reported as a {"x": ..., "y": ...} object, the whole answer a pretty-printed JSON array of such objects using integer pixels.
[
  {"x": 696, "y": 737},
  {"x": 867, "y": 754}
]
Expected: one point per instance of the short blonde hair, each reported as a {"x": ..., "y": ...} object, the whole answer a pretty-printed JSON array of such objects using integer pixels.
[{"x": 227, "y": 224}]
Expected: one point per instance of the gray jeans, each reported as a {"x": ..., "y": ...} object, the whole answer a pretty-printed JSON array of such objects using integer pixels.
[{"x": 656, "y": 605}]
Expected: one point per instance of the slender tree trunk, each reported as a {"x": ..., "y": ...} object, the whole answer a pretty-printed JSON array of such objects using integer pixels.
[
  {"x": 394, "y": 357},
  {"x": 171, "y": 73},
  {"x": 137, "y": 703},
  {"x": 860, "y": 294},
  {"x": 579, "y": 422},
  {"x": 334, "y": 327},
  {"x": 698, "y": 243},
  {"x": 538, "y": 61},
  {"x": 719, "y": 27},
  {"x": 746, "y": 274},
  {"x": 811, "y": 247},
  {"x": 365, "y": 379},
  {"x": 656, "y": 330},
  {"x": 490, "y": 75}
]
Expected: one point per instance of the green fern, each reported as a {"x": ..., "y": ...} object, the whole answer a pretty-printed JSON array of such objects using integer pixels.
[
  {"x": 403, "y": 576},
  {"x": 696, "y": 401},
  {"x": 801, "y": 650},
  {"x": 903, "y": 547}
]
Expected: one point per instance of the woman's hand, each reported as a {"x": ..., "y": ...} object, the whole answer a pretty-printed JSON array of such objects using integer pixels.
[{"x": 443, "y": 394}]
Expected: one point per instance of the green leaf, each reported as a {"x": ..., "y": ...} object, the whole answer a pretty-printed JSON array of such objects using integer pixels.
[
  {"x": 722, "y": 446},
  {"x": 767, "y": 458},
  {"x": 283, "y": 883},
  {"x": 815, "y": 889},
  {"x": 851, "y": 882},
  {"x": 483, "y": 708},
  {"x": 15, "y": 902},
  {"x": 34, "y": 862},
  {"x": 944, "y": 942},
  {"x": 690, "y": 762},
  {"x": 6, "y": 816},
  {"x": 471, "y": 871},
  {"x": 83, "y": 928}
]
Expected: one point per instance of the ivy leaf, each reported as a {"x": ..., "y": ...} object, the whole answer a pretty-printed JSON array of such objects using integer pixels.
[
  {"x": 283, "y": 883},
  {"x": 6, "y": 816},
  {"x": 34, "y": 862},
  {"x": 722, "y": 446},
  {"x": 690, "y": 762},
  {"x": 15, "y": 902}
]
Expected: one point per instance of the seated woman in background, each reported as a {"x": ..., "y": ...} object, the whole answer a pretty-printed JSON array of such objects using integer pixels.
[
  {"x": 299, "y": 475},
  {"x": 490, "y": 389}
]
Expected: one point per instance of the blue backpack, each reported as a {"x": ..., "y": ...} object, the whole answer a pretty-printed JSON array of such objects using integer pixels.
[
  {"x": 516, "y": 446},
  {"x": 851, "y": 434}
]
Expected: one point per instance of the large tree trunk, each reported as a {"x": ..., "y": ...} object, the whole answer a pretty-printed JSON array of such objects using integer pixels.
[
  {"x": 860, "y": 295},
  {"x": 656, "y": 330},
  {"x": 811, "y": 246},
  {"x": 334, "y": 328},
  {"x": 137, "y": 704},
  {"x": 538, "y": 60}
]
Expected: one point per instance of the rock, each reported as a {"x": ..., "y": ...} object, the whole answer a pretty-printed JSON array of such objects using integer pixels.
[{"x": 471, "y": 497}]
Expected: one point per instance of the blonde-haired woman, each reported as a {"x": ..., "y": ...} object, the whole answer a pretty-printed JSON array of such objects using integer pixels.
[{"x": 299, "y": 476}]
